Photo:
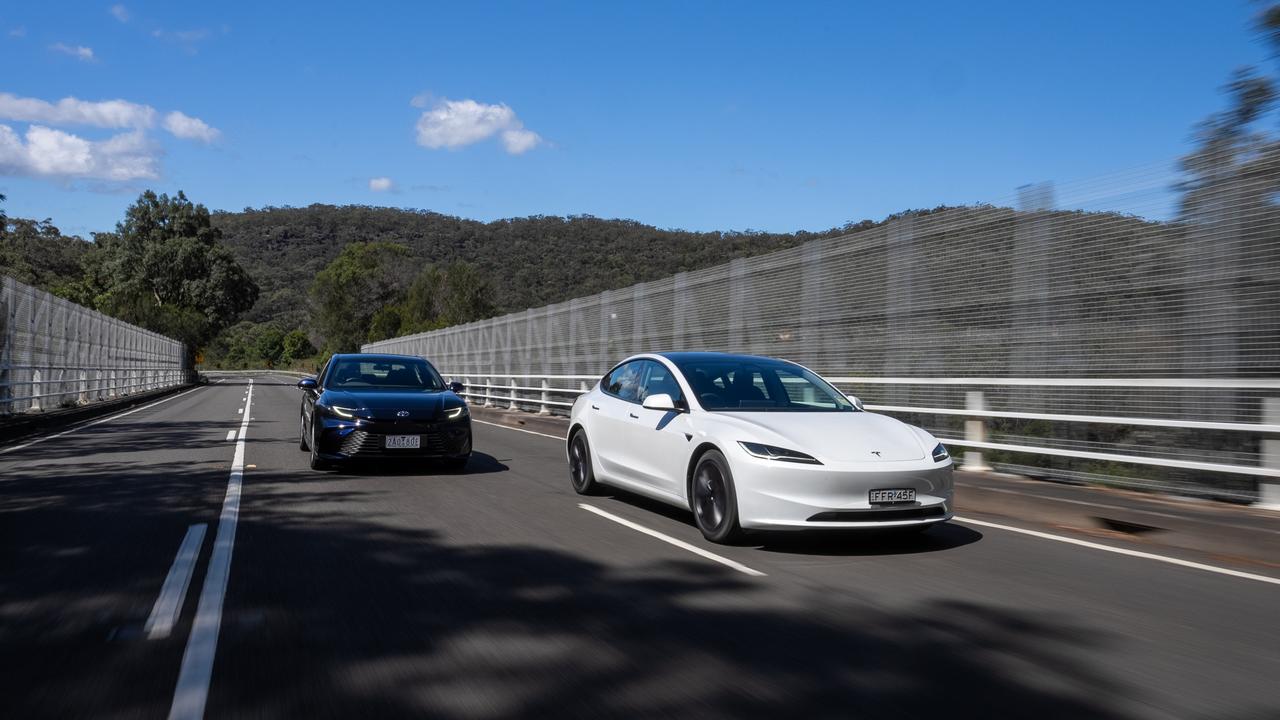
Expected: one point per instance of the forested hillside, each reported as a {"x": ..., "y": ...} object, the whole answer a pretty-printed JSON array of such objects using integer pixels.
[{"x": 526, "y": 262}]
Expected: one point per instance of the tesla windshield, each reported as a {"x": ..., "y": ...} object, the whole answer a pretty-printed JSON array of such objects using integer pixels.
[
  {"x": 356, "y": 374},
  {"x": 760, "y": 386}
]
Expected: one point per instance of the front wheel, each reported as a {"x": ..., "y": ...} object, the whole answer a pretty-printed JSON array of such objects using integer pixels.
[
  {"x": 580, "y": 472},
  {"x": 317, "y": 463},
  {"x": 302, "y": 433},
  {"x": 714, "y": 499}
]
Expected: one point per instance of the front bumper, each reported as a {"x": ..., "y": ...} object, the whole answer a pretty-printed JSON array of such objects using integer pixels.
[
  {"x": 343, "y": 439},
  {"x": 775, "y": 495}
]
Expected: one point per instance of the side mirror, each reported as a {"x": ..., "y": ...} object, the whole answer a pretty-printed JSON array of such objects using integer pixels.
[
  {"x": 659, "y": 401},
  {"x": 856, "y": 402},
  {"x": 308, "y": 384},
  {"x": 457, "y": 387}
]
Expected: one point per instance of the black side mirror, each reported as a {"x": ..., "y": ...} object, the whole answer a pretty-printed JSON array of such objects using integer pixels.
[
  {"x": 308, "y": 384},
  {"x": 457, "y": 387}
]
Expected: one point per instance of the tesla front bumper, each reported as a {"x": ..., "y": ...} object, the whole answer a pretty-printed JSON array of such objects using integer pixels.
[{"x": 779, "y": 495}]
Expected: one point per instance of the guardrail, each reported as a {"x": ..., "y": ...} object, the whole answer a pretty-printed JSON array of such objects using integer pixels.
[{"x": 553, "y": 394}]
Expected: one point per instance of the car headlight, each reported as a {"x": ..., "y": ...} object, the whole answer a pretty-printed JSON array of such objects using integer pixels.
[
  {"x": 456, "y": 413},
  {"x": 940, "y": 453},
  {"x": 343, "y": 411},
  {"x": 770, "y": 452}
]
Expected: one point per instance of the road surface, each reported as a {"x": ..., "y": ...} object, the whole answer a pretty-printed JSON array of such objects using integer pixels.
[{"x": 494, "y": 593}]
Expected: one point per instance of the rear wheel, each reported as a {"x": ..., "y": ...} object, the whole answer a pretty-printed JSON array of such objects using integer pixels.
[
  {"x": 714, "y": 499},
  {"x": 580, "y": 472}
]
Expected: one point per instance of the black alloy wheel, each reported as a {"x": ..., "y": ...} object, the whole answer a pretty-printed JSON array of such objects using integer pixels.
[
  {"x": 580, "y": 472},
  {"x": 714, "y": 501},
  {"x": 302, "y": 432}
]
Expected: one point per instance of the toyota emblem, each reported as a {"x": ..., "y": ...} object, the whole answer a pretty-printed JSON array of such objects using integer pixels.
[{"x": 403, "y": 413}]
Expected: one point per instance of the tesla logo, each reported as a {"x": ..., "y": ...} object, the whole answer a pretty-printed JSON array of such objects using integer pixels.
[
  {"x": 876, "y": 453},
  {"x": 405, "y": 413}
]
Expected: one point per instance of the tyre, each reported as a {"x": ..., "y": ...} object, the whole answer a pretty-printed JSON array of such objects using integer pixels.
[
  {"x": 302, "y": 433},
  {"x": 714, "y": 500},
  {"x": 581, "y": 474},
  {"x": 317, "y": 463}
]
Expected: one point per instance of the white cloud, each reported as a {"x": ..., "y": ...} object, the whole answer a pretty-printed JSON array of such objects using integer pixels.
[
  {"x": 458, "y": 123},
  {"x": 46, "y": 152},
  {"x": 189, "y": 128},
  {"x": 20, "y": 31},
  {"x": 380, "y": 184},
  {"x": 70, "y": 111},
  {"x": 120, "y": 12},
  {"x": 78, "y": 52}
]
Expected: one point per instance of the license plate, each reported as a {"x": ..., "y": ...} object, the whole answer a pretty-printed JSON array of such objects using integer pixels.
[
  {"x": 404, "y": 442},
  {"x": 894, "y": 495}
]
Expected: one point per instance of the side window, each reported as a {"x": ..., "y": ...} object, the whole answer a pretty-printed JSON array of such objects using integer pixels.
[
  {"x": 659, "y": 379},
  {"x": 324, "y": 373},
  {"x": 624, "y": 381}
]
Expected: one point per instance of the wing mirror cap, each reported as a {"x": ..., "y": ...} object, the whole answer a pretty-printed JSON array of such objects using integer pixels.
[
  {"x": 308, "y": 383},
  {"x": 659, "y": 401},
  {"x": 457, "y": 387},
  {"x": 856, "y": 402}
]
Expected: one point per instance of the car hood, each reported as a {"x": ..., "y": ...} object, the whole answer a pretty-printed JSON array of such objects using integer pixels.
[
  {"x": 830, "y": 436},
  {"x": 384, "y": 405}
]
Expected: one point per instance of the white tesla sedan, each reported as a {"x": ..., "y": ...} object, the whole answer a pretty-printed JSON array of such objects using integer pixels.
[{"x": 754, "y": 443}]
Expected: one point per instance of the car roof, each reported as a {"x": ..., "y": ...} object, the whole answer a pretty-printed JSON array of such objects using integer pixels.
[
  {"x": 682, "y": 357},
  {"x": 376, "y": 356}
]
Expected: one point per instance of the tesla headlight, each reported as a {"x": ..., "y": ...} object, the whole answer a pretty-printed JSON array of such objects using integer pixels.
[
  {"x": 940, "y": 453},
  {"x": 769, "y": 452},
  {"x": 456, "y": 413},
  {"x": 343, "y": 412}
]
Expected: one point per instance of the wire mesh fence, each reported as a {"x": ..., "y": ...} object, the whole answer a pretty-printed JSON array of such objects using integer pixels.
[
  {"x": 54, "y": 353},
  {"x": 1020, "y": 289}
]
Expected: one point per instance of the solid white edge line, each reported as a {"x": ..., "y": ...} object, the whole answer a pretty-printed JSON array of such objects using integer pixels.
[
  {"x": 164, "y": 614},
  {"x": 678, "y": 543},
  {"x": 91, "y": 423},
  {"x": 231, "y": 435},
  {"x": 1122, "y": 551},
  {"x": 508, "y": 427},
  {"x": 192, "y": 691}
]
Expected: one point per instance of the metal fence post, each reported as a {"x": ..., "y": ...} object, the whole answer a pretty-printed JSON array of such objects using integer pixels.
[
  {"x": 975, "y": 430},
  {"x": 1269, "y": 488},
  {"x": 546, "y": 409},
  {"x": 488, "y": 391},
  {"x": 513, "y": 405},
  {"x": 35, "y": 390}
]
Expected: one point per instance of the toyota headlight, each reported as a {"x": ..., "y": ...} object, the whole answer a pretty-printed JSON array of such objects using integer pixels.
[
  {"x": 343, "y": 411},
  {"x": 770, "y": 452}
]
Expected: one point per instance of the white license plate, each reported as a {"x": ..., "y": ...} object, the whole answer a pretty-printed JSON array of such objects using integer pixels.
[
  {"x": 404, "y": 442},
  {"x": 894, "y": 495}
]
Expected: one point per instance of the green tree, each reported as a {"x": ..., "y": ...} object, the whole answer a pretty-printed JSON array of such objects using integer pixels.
[
  {"x": 347, "y": 293},
  {"x": 165, "y": 268},
  {"x": 268, "y": 346},
  {"x": 440, "y": 298},
  {"x": 297, "y": 346}
]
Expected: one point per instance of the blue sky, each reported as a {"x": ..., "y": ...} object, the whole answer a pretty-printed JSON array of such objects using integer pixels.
[{"x": 696, "y": 115}]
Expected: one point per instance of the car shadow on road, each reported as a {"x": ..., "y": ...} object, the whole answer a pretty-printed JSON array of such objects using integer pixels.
[
  {"x": 479, "y": 464},
  {"x": 860, "y": 542}
]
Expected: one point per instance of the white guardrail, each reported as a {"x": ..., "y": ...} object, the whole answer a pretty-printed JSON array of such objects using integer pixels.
[{"x": 548, "y": 394}]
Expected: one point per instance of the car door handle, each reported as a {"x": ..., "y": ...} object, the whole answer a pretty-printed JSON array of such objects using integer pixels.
[
  {"x": 634, "y": 415},
  {"x": 595, "y": 407}
]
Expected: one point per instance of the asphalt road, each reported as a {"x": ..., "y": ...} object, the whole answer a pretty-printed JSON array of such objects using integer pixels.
[{"x": 405, "y": 591}]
